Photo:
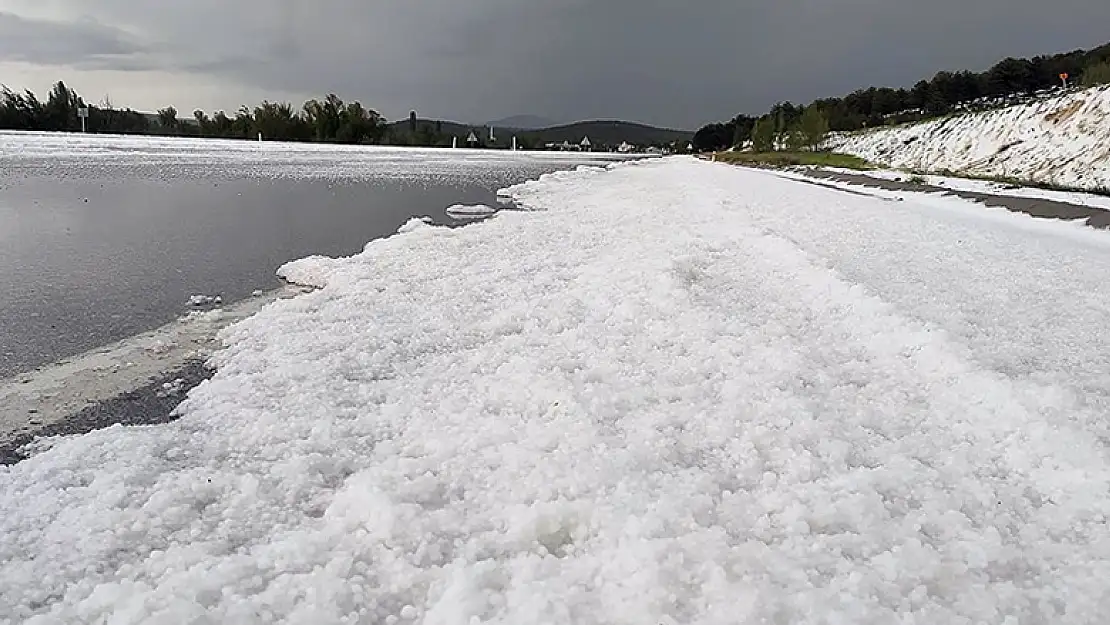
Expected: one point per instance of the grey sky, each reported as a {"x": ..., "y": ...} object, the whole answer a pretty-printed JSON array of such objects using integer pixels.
[{"x": 678, "y": 63}]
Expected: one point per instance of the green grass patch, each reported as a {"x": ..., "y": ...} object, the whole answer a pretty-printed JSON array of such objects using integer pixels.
[{"x": 794, "y": 159}]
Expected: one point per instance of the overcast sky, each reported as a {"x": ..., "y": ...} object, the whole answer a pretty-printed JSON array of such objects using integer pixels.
[{"x": 677, "y": 63}]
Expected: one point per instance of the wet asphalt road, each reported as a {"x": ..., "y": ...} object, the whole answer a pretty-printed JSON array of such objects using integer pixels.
[
  {"x": 102, "y": 238},
  {"x": 1036, "y": 207},
  {"x": 105, "y": 238},
  {"x": 152, "y": 404}
]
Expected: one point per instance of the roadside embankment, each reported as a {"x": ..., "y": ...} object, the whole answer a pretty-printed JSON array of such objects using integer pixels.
[{"x": 1062, "y": 141}]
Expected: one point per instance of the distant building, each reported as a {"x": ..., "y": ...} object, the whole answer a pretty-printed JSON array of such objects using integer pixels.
[
  {"x": 583, "y": 146},
  {"x": 626, "y": 147}
]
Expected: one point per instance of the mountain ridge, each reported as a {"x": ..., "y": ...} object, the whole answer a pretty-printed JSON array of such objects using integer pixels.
[
  {"x": 601, "y": 132},
  {"x": 523, "y": 122}
]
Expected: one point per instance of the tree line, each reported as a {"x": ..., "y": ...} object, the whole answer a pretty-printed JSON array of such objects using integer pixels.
[
  {"x": 946, "y": 92},
  {"x": 25, "y": 111},
  {"x": 330, "y": 120},
  {"x": 327, "y": 120}
]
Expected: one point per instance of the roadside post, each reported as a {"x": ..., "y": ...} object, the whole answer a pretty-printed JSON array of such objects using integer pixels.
[{"x": 83, "y": 113}]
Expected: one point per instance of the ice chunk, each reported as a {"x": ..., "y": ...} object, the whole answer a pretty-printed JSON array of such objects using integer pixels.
[
  {"x": 310, "y": 271},
  {"x": 204, "y": 300},
  {"x": 169, "y": 389},
  {"x": 470, "y": 211},
  {"x": 414, "y": 224},
  {"x": 207, "y": 316}
]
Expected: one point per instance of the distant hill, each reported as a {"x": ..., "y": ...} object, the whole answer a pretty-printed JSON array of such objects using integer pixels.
[
  {"x": 447, "y": 127},
  {"x": 523, "y": 122},
  {"x": 609, "y": 132},
  {"x": 601, "y": 133}
]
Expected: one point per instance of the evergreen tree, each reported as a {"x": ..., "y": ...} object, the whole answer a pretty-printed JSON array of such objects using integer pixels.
[
  {"x": 60, "y": 110},
  {"x": 204, "y": 125},
  {"x": 1097, "y": 74},
  {"x": 763, "y": 134},
  {"x": 794, "y": 139},
  {"x": 712, "y": 137},
  {"x": 742, "y": 130},
  {"x": 222, "y": 125},
  {"x": 167, "y": 118},
  {"x": 1010, "y": 76},
  {"x": 279, "y": 122},
  {"x": 20, "y": 111},
  {"x": 812, "y": 127},
  {"x": 242, "y": 126}
]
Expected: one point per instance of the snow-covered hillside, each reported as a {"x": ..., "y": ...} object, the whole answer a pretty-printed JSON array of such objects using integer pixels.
[{"x": 1064, "y": 140}]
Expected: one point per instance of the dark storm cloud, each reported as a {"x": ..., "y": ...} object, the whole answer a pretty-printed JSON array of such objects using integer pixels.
[
  {"x": 666, "y": 62},
  {"x": 83, "y": 42}
]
